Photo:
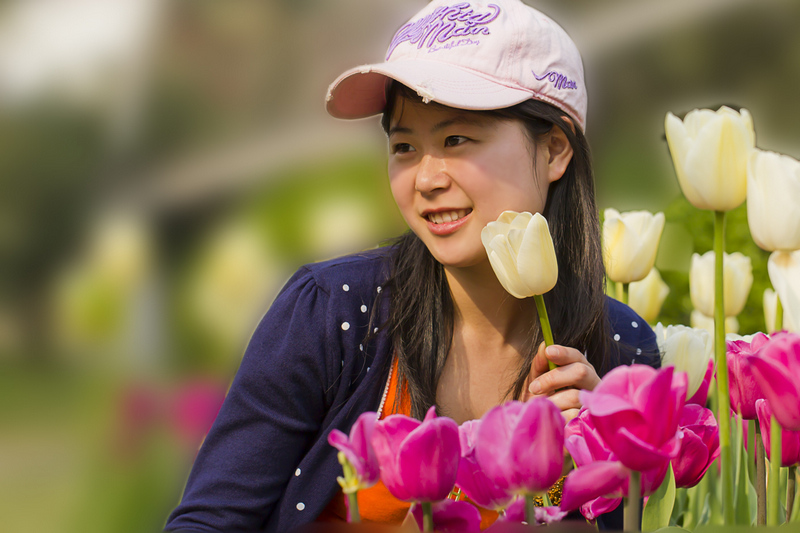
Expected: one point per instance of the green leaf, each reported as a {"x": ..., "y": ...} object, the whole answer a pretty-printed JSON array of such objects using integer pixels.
[{"x": 659, "y": 506}]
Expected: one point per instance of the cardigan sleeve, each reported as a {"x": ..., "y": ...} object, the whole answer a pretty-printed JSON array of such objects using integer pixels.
[{"x": 271, "y": 416}]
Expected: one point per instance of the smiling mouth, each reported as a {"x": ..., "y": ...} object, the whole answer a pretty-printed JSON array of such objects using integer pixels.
[{"x": 443, "y": 217}]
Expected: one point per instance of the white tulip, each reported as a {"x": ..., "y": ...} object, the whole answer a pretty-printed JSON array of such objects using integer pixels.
[
  {"x": 686, "y": 349},
  {"x": 773, "y": 201},
  {"x": 738, "y": 275},
  {"x": 521, "y": 253},
  {"x": 771, "y": 309},
  {"x": 710, "y": 151},
  {"x": 630, "y": 243},
  {"x": 647, "y": 296},
  {"x": 784, "y": 273},
  {"x": 700, "y": 321}
]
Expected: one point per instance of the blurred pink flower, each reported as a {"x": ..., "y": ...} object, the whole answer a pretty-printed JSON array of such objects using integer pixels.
[
  {"x": 194, "y": 408},
  {"x": 776, "y": 370},
  {"x": 743, "y": 388},
  {"x": 790, "y": 440},
  {"x": 543, "y": 515},
  {"x": 451, "y": 516},
  {"x": 635, "y": 410},
  {"x": 600, "y": 480},
  {"x": 418, "y": 460},
  {"x": 357, "y": 448},
  {"x": 701, "y": 396},
  {"x": 471, "y": 478},
  {"x": 520, "y": 446},
  {"x": 699, "y": 446}
]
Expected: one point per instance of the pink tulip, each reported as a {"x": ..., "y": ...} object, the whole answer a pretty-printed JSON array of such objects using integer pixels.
[
  {"x": 600, "y": 481},
  {"x": 790, "y": 440},
  {"x": 699, "y": 446},
  {"x": 451, "y": 516},
  {"x": 357, "y": 448},
  {"x": 520, "y": 445},
  {"x": 543, "y": 515},
  {"x": 744, "y": 390},
  {"x": 418, "y": 460},
  {"x": 471, "y": 478},
  {"x": 701, "y": 396},
  {"x": 776, "y": 370},
  {"x": 636, "y": 410}
]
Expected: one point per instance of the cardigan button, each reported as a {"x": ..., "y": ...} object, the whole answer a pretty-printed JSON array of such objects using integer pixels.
[
  {"x": 297, "y": 472},
  {"x": 301, "y": 506}
]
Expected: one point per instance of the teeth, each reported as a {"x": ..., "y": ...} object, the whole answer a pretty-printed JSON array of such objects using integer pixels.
[{"x": 447, "y": 216}]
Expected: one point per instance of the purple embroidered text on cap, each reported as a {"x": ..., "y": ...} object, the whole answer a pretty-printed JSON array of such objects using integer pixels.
[
  {"x": 559, "y": 80},
  {"x": 446, "y": 22}
]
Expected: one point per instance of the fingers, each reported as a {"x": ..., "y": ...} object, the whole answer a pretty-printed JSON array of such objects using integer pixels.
[{"x": 572, "y": 371}]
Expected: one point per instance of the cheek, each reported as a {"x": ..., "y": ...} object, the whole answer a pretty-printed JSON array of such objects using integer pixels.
[{"x": 402, "y": 190}]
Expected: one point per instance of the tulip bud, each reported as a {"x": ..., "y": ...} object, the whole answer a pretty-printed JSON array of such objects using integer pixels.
[
  {"x": 688, "y": 350},
  {"x": 647, "y": 296},
  {"x": 771, "y": 310},
  {"x": 773, "y": 197},
  {"x": 521, "y": 253},
  {"x": 738, "y": 277},
  {"x": 784, "y": 273},
  {"x": 710, "y": 151},
  {"x": 630, "y": 243}
]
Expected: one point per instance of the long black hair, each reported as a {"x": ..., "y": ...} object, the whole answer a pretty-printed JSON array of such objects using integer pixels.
[{"x": 421, "y": 310}]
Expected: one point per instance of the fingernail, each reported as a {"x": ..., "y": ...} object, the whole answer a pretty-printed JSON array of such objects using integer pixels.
[
  {"x": 551, "y": 350},
  {"x": 535, "y": 388}
]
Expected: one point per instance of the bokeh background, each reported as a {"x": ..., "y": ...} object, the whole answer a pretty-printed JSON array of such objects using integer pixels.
[{"x": 166, "y": 165}]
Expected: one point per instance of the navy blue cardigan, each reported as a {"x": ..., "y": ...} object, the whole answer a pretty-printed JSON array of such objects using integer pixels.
[{"x": 266, "y": 464}]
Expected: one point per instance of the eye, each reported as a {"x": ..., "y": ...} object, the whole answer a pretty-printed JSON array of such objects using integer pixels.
[
  {"x": 402, "y": 148},
  {"x": 455, "y": 140}
]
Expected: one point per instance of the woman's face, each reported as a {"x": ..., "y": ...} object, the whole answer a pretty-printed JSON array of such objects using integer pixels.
[{"x": 453, "y": 171}]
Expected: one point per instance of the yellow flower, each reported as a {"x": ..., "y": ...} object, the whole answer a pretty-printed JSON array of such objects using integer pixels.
[
  {"x": 700, "y": 321},
  {"x": 773, "y": 200},
  {"x": 710, "y": 152},
  {"x": 738, "y": 275},
  {"x": 647, "y": 296},
  {"x": 630, "y": 243},
  {"x": 521, "y": 252}
]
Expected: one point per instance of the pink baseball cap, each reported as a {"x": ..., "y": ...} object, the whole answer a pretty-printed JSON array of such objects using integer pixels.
[{"x": 473, "y": 55}]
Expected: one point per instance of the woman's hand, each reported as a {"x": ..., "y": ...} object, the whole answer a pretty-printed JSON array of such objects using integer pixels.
[{"x": 562, "y": 384}]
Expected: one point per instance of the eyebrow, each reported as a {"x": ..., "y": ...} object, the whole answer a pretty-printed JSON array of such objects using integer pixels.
[{"x": 466, "y": 119}]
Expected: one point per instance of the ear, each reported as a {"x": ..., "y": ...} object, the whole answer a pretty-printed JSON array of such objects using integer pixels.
[{"x": 559, "y": 152}]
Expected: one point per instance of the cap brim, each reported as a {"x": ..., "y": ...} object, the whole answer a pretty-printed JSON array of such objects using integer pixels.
[{"x": 361, "y": 92}]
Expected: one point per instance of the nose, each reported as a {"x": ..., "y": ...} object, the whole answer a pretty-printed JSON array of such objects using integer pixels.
[{"x": 431, "y": 175}]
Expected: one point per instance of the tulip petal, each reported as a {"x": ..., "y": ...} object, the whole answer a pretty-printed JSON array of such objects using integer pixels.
[
  {"x": 387, "y": 438},
  {"x": 692, "y": 461},
  {"x": 536, "y": 446},
  {"x": 640, "y": 455},
  {"x": 450, "y": 516},
  {"x": 779, "y": 390},
  {"x": 491, "y": 449},
  {"x": 594, "y": 508},
  {"x": 428, "y": 459},
  {"x": 594, "y": 480}
]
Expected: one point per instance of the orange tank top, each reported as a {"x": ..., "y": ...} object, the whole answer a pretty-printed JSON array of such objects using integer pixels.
[{"x": 376, "y": 504}]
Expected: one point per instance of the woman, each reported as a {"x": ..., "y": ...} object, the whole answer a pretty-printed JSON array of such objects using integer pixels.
[{"x": 484, "y": 106}]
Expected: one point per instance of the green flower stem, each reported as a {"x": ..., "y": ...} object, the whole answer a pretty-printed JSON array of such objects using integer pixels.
[
  {"x": 632, "y": 520},
  {"x": 427, "y": 516},
  {"x": 723, "y": 396},
  {"x": 352, "y": 507},
  {"x": 791, "y": 488},
  {"x": 751, "y": 451},
  {"x": 774, "y": 493},
  {"x": 761, "y": 479},
  {"x": 530, "y": 510},
  {"x": 545, "y": 322},
  {"x": 778, "y": 313}
]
